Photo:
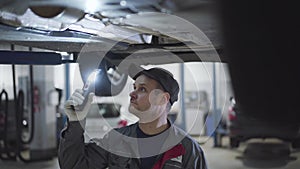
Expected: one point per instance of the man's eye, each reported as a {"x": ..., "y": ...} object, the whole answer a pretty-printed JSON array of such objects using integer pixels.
[{"x": 142, "y": 89}]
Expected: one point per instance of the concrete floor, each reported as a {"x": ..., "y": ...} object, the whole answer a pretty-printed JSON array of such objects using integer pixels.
[{"x": 217, "y": 158}]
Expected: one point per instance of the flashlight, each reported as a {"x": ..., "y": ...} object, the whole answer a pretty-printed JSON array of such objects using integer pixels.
[{"x": 87, "y": 87}]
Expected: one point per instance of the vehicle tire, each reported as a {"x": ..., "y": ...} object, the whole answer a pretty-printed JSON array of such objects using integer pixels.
[
  {"x": 234, "y": 142},
  {"x": 267, "y": 151},
  {"x": 109, "y": 82}
]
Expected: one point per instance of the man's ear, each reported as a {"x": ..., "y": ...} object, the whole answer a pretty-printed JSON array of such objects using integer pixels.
[
  {"x": 164, "y": 98},
  {"x": 159, "y": 97}
]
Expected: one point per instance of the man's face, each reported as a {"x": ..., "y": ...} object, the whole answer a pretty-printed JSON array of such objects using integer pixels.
[
  {"x": 139, "y": 97},
  {"x": 146, "y": 99}
]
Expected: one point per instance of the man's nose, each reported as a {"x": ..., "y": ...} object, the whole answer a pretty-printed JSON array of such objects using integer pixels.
[{"x": 133, "y": 94}]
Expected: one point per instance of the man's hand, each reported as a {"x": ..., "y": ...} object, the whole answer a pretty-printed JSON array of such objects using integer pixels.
[{"x": 71, "y": 106}]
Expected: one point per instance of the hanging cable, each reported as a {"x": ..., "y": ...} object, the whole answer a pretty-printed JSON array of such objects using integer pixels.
[
  {"x": 20, "y": 112},
  {"x": 19, "y": 117}
]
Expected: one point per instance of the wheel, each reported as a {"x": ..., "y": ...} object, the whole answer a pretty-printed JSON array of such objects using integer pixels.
[
  {"x": 234, "y": 142},
  {"x": 109, "y": 82},
  {"x": 267, "y": 150}
]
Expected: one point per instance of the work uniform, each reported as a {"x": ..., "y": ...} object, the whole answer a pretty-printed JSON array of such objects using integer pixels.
[{"x": 120, "y": 149}]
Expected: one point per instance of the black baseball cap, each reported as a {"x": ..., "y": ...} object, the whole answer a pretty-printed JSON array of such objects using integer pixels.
[{"x": 163, "y": 77}]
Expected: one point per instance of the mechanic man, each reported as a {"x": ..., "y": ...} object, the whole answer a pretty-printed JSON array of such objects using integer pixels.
[{"x": 151, "y": 143}]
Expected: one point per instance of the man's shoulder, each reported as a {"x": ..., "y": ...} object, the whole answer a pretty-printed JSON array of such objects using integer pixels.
[{"x": 187, "y": 140}]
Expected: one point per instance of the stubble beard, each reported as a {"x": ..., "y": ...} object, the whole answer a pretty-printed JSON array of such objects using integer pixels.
[{"x": 149, "y": 115}]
